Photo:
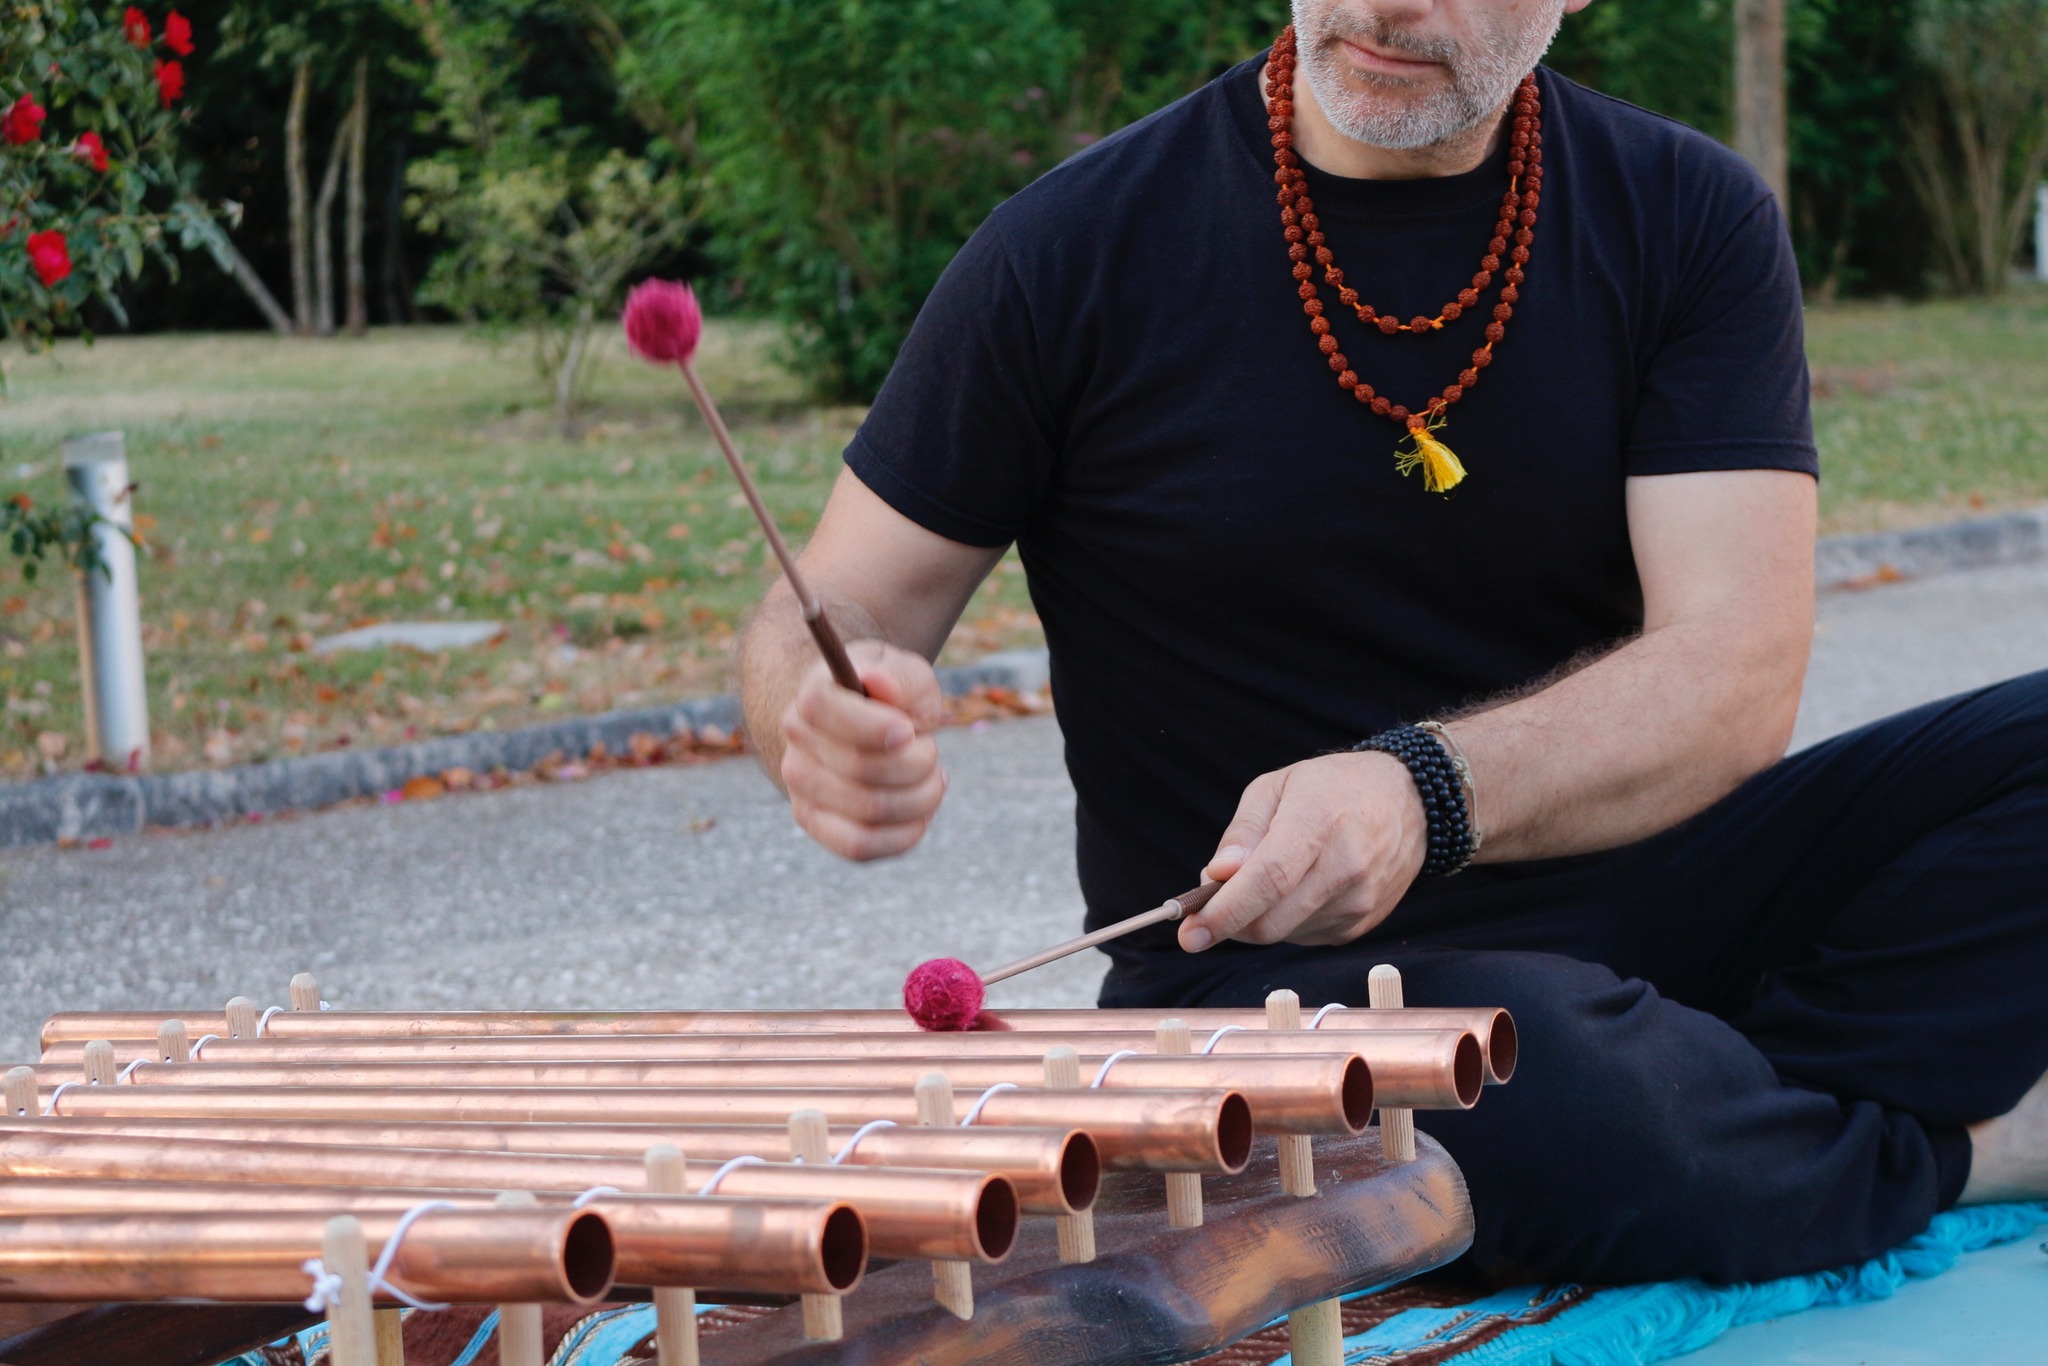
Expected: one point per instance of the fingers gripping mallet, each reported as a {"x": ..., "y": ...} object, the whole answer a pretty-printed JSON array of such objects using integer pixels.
[{"x": 663, "y": 325}]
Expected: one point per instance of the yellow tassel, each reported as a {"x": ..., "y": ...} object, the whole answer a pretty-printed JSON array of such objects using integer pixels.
[{"x": 1441, "y": 471}]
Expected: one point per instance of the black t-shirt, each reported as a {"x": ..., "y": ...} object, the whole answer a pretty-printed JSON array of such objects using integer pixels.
[{"x": 1116, "y": 374}]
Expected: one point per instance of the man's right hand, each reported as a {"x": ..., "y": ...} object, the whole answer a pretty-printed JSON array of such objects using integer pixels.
[{"x": 863, "y": 773}]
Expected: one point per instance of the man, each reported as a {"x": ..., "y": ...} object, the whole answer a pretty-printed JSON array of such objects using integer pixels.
[{"x": 1772, "y": 1010}]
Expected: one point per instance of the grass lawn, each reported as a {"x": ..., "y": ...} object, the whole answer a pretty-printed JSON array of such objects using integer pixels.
[{"x": 292, "y": 489}]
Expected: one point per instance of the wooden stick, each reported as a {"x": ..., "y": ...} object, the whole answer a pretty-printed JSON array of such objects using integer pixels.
[
  {"x": 1315, "y": 1334},
  {"x": 519, "y": 1340},
  {"x": 1075, "y": 1232},
  {"x": 22, "y": 1100},
  {"x": 242, "y": 1017},
  {"x": 388, "y": 1326},
  {"x": 172, "y": 1043},
  {"x": 305, "y": 992},
  {"x": 352, "y": 1338},
  {"x": 1183, "y": 1189},
  {"x": 1397, "y": 1127},
  {"x": 1297, "y": 1160},
  {"x": 675, "y": 1307},
  {"x": 100, "y": 1067},
  {"x": 952, "y": 1281},
  {"x": 829, "y": 644},
  {"x": 1172, "y": 909},
  {"x": 810, "y": 1142}
]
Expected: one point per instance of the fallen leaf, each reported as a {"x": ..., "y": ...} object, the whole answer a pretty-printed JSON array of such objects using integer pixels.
[
  {"x": 423, "y": 788},
  {"x": 14, "y": 607}
]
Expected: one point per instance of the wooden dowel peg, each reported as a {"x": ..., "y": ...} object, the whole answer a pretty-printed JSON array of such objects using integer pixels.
[
  {"x": 675, "y": 1307},
  {"x": 352, "y": 1334},
  {"x": 172, "y": 1043},
  {"x": 242, "y": 1018},
  {"x": 519, "y": 1340},
  {"x": 1075, "y": 1232},
  {"x": 100, "y": 1067},
  {"x": 305, "y": 991},
  {"x": 952, "y": 1281},
  {"x": 1315, "y": 1334},
  {"x": 1183, "y": 1189},
  {"x": 810, "y": 1142},
  {"x": 22, "y": 1100},
  {"x": 388, "y": 1326},
  {"x": 1397, "y": 1127},
  {"x": 1297, "y": 1159}
]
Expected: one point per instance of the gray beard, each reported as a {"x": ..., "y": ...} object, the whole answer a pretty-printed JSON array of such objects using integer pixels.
[{"x": 1386, "y": 113}]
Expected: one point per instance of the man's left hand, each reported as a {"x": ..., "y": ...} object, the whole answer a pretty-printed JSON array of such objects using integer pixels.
[{"x": 1318, "y": 853}]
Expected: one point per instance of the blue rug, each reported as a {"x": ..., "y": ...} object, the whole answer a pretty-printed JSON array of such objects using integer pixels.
[{"x": 1637, "y": 1324}]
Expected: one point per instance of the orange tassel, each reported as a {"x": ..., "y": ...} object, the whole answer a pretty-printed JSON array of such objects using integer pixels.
[{"x": 1441, "y": 470}]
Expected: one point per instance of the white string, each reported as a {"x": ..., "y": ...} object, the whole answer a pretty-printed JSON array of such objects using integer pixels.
[
  {"x": 327, "y": 1005},
  {"x": 974, "y": 1110},
  {"x": 328, "y": 1285},
  {"x": 862, "y": 1132},
  {"x": 1217, "y": 1037},
  {"x": 727, "y": 1169},
  {"x": 264, "y": 1019},
  {"x": 1109, "y": 1062},
  {"x": 204, "y": 1040},
  {"x": 390, "y": 1252},
  {"x": 62, "y": 1087},
  {"x": 130, "y": 1068},
  {"x": 1334, "y": 1005},
  {"x": 594, "y": 1193}
]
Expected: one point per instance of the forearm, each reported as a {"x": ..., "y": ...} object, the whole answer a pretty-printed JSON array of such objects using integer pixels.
[
  {"x": 775, "y": 655},
  {"x": 1632, "y": 743}
]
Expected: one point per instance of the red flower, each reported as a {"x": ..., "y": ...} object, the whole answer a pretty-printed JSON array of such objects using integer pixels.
[
  {"x": 49, "y": 254},
  {"x": 22, "y": 501},
  {"x": 178, "y": 34},
  {"x": 136, "y": 24},
  {"x": 170, "y": 82},
  {"x": 90, "y": 149},
  {"x": 24, "y": 122}
]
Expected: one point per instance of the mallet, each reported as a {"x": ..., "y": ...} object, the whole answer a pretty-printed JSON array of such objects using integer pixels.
[
  {"x": 946, "y": 994},
  {"x": 664, "y": 324}
]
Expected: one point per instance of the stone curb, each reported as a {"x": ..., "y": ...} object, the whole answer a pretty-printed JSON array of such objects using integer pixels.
[
  {"x": 79, "y": 806},
  {"x": 92, "y": 805}
]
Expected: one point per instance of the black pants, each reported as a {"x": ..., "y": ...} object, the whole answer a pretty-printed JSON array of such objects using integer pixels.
[{"x": 1749, "y": 1044}]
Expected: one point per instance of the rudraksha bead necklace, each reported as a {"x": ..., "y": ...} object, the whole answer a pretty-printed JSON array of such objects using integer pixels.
[{"x": 1441, "y": 470}]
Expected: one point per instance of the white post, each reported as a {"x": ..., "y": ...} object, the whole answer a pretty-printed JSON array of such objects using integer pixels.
[
  {"x": 2041, "y": 232},
  {"x": 109, "y": 610}
]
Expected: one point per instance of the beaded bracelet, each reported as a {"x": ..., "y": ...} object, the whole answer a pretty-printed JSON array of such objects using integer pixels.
[{"x": 1451, "y": 839}]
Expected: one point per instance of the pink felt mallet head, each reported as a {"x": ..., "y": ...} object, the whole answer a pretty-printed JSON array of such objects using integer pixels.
[
  {"x": 944, "y": 995},
  {"x": 663, "y": 321}
]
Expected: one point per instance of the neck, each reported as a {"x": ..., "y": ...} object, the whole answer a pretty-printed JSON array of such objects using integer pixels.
[{"x": 1322, "y": 145}]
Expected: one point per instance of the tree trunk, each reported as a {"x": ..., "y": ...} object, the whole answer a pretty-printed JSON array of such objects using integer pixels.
[
  {"x": 295, "y": 185},
  {"x": 252, "y": 284},
  {"x": 352, "y": 226},
  {"x": 396, "y": 280},
  {"x": 572, "y": 361},
  {"x": 1760, "y": 90},
  {"x": 323, "y": 231}
]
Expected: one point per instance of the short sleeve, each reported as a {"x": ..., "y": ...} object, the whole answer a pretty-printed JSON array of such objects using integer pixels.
[
  {"x": 961, "y": 438},
  {"x": 1726, "y": 385}
]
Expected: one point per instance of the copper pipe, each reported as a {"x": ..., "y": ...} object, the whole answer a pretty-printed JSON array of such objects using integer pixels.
[
  {"x": 1494, "y": 1027},
  {"x": 716, "y": 1242},
  {"x": 1417, "y": 1069},
  {"x": 909, "y": 1212},
  {"x": 481, "y": 1256},
  {"x": 1288, "y": 1093},
  {"x": 1194, "y": 1131},
  {"x": 1055, "y": 1171}
]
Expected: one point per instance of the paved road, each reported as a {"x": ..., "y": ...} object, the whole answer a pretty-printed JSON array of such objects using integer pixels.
[{"x": 602, "y": 894}]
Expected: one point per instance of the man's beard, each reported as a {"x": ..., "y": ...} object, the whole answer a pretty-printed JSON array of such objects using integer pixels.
[{"x": 1388, "y": 111}]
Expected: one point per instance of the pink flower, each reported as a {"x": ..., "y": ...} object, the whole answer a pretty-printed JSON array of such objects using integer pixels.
[
  {"x": 90, "y": 149},
  {"x": 136, "y": 25},
  {"x": 663, "y": 321},
  {"x": 24, "y": 121},
  {"x": 170, "y": 82},
  {"x": 50, "y": 255},
  {"x": 178, "y": 34}
]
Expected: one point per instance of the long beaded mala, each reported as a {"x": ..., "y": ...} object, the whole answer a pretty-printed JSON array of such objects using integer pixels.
[{"x": 1441, "y": 470}]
